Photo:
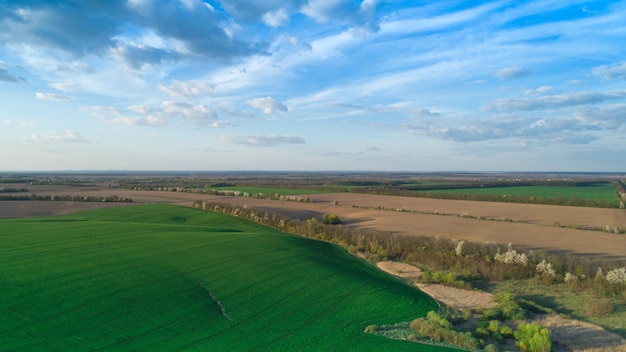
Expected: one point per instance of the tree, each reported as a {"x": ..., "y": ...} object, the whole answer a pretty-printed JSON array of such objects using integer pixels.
[
  {"x": 533, "y": 338},
  {"x": 331, "y": 219}
]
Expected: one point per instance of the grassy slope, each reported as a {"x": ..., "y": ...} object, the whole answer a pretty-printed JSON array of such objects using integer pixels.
[{"x": 156, "y": 278}]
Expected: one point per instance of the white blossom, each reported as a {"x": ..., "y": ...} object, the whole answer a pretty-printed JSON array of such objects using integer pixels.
[
  {"x": 459, "y": 248},
  {"x": 545, "y": 268},
  {"x": 616, "y": 276},
  {"x": 569, "y": 277},
  {"x": 599, "y": 274},
  {"x": 512, "y": 257}
]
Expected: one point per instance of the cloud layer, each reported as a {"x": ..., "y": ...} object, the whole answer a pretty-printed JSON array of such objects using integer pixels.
[{"x": 363, "y": 84}]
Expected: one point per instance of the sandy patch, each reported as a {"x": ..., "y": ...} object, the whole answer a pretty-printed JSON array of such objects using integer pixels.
[
  {"x": 450, "y": 296},
  {"x": 458, "y": 298},
  {"x": 575, "y": 335},
  {"x": 400, "y": 269}
]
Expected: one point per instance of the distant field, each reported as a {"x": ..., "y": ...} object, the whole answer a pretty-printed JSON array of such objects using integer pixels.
[
  {"x": 596, "y": 191},
  {"x": 266, "y": 190},
  {"x": 169, "y": 278}
]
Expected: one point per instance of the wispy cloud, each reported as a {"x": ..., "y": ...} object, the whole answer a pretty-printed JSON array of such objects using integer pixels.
[
  {"x": 258, "y": 140},
  {"x": 67, "y": 136},
  {"x": 268, "y": 105},
  {"x": 616, "y": 71},
  {"x": 511, "y": 72},
  {"x": 191, "y": 88},
  {"x": 52, "y": 96},
  {"x": 66, "y": 87},
  {"x": 553, "y": 101}
]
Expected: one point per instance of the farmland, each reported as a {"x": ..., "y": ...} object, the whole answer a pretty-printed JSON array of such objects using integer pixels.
[
  {"x": 601, "y": 193},
  {"x": 163, "y": 277},
  {"x": 266, "y": 190}
]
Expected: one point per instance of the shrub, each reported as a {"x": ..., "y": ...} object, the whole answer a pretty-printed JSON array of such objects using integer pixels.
[
  {"x": 494, "y": 326},
  {"x": 331, "y": 219},
  {"x": 506, "y": 331},
  {"x": 533, "y": 338},
  {"x": 491, "y": 348},
  {"x": 544, "y": 268},
  {"x": 616, "y": 276}
]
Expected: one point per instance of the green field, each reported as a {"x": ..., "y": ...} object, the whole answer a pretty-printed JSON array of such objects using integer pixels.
[
  {"x": 167, "y": 278},
  {"x": 596, "y": 191}
]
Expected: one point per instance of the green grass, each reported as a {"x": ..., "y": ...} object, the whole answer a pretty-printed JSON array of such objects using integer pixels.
[
  {"x": 167, "y": 278},
  {"x": 596, "y": 191},
  {"x": 562, "y": 299},
  {"x": 267, "y": 190}
]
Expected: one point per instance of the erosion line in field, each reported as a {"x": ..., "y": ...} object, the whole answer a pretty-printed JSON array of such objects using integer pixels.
[{"x": 219, "y": 304}]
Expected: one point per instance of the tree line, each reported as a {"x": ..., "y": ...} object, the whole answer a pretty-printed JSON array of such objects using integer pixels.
[{"x": 67, "y": 198}]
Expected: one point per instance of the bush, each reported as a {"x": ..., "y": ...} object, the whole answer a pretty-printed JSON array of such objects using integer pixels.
[
  {"x": 331, "y": 219},
  {"x": 533, "y": 338},
  {"x": 491, "y": 348}
]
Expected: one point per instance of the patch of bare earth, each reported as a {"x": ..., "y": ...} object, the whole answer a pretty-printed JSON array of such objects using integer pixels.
[
  {"x": 567, "y": 334},
  {"x": 578, "y": 336}
]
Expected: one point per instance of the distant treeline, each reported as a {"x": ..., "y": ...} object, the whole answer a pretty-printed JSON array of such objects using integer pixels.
[
  {"x": 468, "y": 260},
  {"x": 12, "y": 190},
  {"x": 67, "y": 198}
]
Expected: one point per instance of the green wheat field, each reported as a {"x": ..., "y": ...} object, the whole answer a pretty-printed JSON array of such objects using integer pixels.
[{"x": 170, "y": 278}]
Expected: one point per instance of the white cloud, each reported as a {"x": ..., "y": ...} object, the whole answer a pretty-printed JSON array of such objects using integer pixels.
[
  {"x": 66, "y": 87},
  {"x": 553, "y": 101},
  {"x": 268, "y": 105},
  {"x": 111, "y": 114},
  {"x": 276, "y": 18},
  {"x": 191, "y": 88},
  {"x": 52, "y": 96},
  {"x": 617, "y": 71},
  {"x": 263, "y": 140},
  {"x": 200, "y": 115},
  {"x": 511, "y": 72},
  {"x": 67, "y": 136},
  {"x": 148, "y": 121},
  {"x": 361, "y": 15}
]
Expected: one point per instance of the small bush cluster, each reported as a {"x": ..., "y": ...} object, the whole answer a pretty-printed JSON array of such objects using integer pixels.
[
  {"x": 512, "y": 257},
  {"x": 331, "y": 219},
  {"x": 533, "y": 338},
  {"x": 439, "y": 329}
]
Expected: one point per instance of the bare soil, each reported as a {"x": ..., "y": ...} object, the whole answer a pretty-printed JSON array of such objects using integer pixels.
[{"x": 525, "y": 225}]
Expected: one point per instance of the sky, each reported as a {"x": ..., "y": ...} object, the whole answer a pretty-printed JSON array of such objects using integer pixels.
[{"x": 313, "y": 85}]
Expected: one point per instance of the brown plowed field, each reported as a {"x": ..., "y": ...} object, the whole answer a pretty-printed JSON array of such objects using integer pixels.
[{"x": 530, "y": 226}]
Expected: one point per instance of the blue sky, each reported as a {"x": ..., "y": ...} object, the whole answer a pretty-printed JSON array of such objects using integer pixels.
[{"x": 313, "y": 85}]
